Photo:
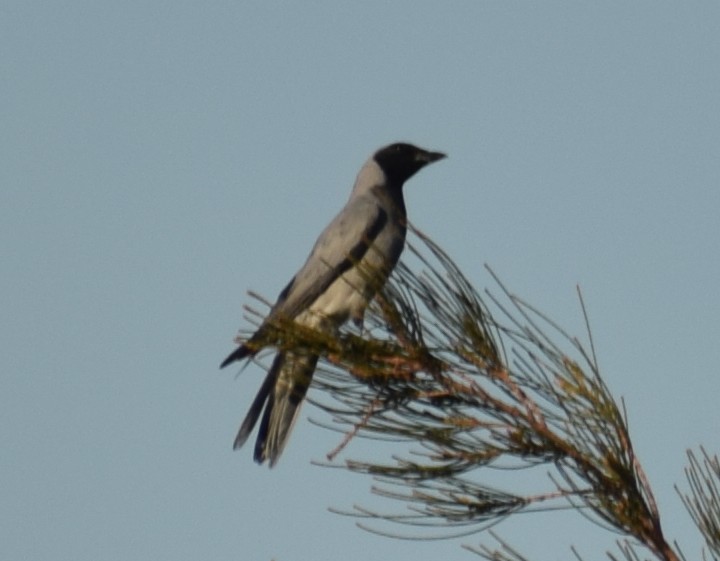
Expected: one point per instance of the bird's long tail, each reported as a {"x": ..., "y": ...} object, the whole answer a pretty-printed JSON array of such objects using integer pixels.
[{"x": 279, "y": 399}]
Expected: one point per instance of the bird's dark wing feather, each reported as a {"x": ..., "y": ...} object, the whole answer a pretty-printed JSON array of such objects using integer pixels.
[
  {"x": 341, "y": 245},
  {"x": 243, "y": 351}
]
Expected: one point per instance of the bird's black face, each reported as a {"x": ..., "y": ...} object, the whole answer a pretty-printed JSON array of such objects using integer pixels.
[{"x": 401, "y": 161}]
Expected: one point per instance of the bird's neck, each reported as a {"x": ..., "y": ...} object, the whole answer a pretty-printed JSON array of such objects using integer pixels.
[{"x": 393, "y": 196}]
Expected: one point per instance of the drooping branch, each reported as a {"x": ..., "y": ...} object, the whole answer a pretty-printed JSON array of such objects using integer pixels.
[
  {"x": 481, "y": 381},
  {"x": 474, "y": 381},
  {"x": 703, "y": 502}
]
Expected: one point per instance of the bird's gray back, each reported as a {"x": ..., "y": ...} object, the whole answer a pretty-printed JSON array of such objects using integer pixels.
[{"x": 353, "y": 255}]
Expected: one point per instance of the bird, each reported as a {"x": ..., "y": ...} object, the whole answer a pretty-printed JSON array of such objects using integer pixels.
[{"x": 351, "y": 260}]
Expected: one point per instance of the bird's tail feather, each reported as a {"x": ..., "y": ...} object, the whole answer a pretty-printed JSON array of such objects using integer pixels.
[
  {"x": 258, "y": 403},
  {"x": 292, "y": 380}
]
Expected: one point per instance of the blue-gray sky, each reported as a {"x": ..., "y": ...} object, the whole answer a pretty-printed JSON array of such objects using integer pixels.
[{"x": 158, "y": 159}]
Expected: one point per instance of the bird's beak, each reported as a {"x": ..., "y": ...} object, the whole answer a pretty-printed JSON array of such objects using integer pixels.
[{"x": 430, "y": 157}]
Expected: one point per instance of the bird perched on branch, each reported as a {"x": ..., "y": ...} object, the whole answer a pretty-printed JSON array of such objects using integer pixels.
[{"x": 350, "y": 261}]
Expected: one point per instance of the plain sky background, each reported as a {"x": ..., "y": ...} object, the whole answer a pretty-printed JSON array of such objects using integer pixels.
[{"x": 160, "y": 158}]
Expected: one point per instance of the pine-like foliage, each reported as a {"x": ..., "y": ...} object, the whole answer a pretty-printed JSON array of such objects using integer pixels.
[{"x": 485, "y": 380}]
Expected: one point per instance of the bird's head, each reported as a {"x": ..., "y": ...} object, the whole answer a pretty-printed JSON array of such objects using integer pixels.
[{"x": 400, "y": 161}]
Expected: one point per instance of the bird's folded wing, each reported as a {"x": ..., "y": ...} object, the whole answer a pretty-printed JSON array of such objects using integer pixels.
[{"x": 341, "y": 245}]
